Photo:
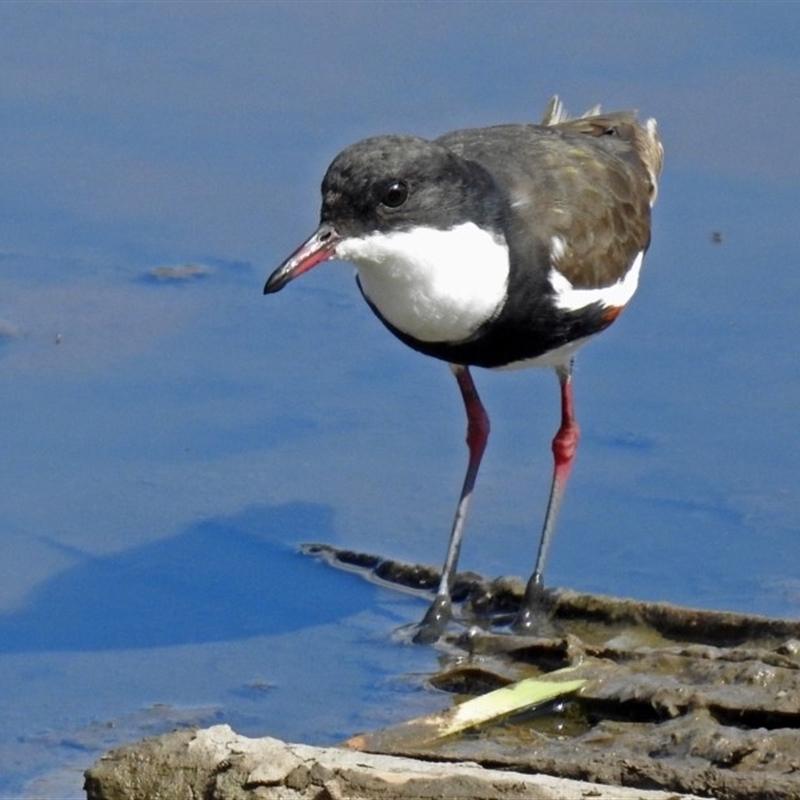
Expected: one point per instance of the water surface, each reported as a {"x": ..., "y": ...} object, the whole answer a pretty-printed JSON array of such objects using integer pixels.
[{"x": 169, "y": 436}]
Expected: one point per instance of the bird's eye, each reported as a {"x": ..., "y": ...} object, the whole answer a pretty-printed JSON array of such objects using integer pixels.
[{"x": 394, "y": 194}]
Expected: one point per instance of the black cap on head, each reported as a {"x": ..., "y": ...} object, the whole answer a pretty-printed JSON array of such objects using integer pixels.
[{"x": 390, "y": 183}]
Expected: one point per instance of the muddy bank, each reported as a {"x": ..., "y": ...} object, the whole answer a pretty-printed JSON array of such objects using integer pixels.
[
  {"x": 676, "y": 700},
  {"x": 680, "y": 699},
  {"x": 217, "y": 764}
]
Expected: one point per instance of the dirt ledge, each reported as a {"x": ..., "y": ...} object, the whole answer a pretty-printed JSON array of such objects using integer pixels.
[{"x": 218, "y": 764}]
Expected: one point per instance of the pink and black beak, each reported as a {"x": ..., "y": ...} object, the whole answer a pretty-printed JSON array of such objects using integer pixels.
[{"x": 319, "y": 247}]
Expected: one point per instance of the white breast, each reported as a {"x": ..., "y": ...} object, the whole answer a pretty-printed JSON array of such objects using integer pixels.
[{"x": 434, "y": 285}]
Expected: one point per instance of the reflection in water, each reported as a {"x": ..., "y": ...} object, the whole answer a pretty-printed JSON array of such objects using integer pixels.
[{"x": 220, "y": 580}]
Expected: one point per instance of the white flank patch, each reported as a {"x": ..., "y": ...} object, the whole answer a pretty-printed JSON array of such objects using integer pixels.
[
  {"x": 568, "y": 298},
  {"x": 434, "y": 285},
  {"x": 559, "y": 357},
  {"x": 557, "y": 249}
]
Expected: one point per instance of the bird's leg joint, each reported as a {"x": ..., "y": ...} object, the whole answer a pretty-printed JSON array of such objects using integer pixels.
[
  {"x": 478, "y": 425},
  {"x": 565, "y": 442}
]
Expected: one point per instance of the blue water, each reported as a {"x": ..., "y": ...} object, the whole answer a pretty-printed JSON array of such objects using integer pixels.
[{"x": 169, "y": 437}]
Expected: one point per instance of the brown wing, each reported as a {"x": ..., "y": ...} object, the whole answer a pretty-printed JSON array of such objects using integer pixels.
[
  {"x": 605, "y": 218},
  {"x": 589, "y": 182},
  {"x": 644, "y": 139},
  {"x": 598, "y": 204}
]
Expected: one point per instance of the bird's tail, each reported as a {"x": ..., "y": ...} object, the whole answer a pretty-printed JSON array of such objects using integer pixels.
[{"x": 643, "y": 138}]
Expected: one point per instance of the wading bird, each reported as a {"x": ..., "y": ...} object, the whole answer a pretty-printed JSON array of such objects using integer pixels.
[{"x": 499, "y": 247}]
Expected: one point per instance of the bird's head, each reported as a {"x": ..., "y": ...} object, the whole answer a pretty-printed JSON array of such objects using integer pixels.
[{"x": 385, "y": 185}]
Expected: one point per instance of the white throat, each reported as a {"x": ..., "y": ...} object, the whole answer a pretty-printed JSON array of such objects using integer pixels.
[{"x": 434, "y": 285}]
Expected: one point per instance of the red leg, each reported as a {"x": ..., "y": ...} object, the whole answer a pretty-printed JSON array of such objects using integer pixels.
[
  {"x": 439, "y": 613},
  {"x": 565, "y": 445}
]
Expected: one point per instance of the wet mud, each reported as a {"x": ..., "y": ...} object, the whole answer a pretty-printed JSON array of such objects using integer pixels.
[{"x": 678, "y": 699}]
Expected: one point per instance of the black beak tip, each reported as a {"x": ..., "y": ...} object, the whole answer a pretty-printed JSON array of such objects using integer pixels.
[{"x": 274, "y": 283}]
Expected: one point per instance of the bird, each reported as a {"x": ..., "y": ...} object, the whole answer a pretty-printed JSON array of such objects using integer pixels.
[{"x": 497, "y": 247}]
